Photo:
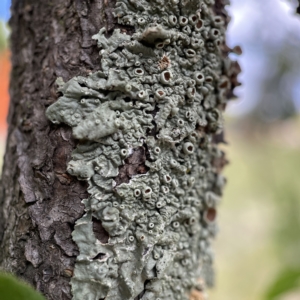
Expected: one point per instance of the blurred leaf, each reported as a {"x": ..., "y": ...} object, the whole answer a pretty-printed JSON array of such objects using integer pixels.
[
  {"x": 13, "y": 289},
  {"x": 2, "y": 37},
  {"x": 287, "y": 281}
]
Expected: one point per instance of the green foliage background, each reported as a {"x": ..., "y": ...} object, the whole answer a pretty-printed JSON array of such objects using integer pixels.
[
  {"x": 258, "y": 247},
  {"x": 3, "y": 36}
]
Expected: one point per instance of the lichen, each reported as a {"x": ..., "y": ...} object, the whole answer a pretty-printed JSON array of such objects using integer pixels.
[{"x": 145, "y": 125}]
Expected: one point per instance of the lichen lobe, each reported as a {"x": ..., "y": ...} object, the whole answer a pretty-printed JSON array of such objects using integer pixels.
[{"x": 146, "y": 124}]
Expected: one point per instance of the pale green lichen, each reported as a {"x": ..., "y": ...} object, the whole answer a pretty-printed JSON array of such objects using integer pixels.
[{"x": 161, "y": 89}]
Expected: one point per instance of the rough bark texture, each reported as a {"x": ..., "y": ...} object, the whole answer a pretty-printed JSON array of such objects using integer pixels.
[{"x": 39, "y": 201}]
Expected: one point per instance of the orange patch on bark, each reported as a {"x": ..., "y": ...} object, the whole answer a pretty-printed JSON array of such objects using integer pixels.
[
  {"x": 4, "y": 84},
  {"x": 196, "y": 295}
]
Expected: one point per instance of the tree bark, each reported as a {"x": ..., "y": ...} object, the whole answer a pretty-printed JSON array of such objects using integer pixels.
[{"x": 39, "y": 201}]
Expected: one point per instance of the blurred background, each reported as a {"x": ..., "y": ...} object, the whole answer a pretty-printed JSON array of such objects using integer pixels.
[
  {"x": 4, "y": 72},
  {"x": 258, "y": 247}
]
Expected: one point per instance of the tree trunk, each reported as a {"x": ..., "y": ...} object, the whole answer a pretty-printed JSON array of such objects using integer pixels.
[{"x": 40, "y": 202}]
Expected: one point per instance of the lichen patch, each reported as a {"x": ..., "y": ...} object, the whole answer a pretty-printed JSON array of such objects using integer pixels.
[{"x": 147, "y": 124}]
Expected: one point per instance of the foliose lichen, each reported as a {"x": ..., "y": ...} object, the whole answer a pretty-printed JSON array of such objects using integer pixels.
[{"x": 145, "y": 124}]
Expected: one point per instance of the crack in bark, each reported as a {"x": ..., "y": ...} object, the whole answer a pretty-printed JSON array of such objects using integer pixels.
[
  {"x": 134, "y": 165},
  {"x": 99, "y": 232}
]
